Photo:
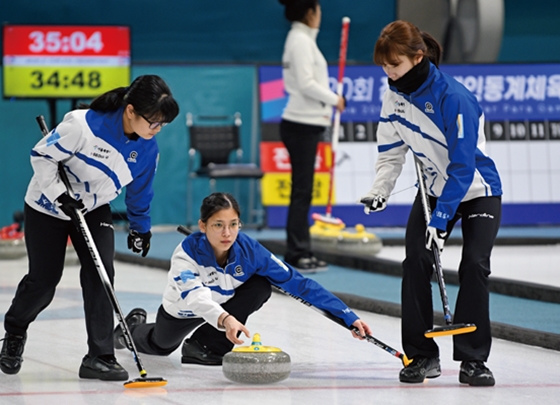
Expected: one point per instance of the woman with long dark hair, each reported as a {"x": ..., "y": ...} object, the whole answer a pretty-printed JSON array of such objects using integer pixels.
[{"x": 104, "y": 148}]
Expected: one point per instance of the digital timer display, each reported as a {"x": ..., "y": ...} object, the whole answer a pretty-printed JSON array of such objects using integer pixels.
[{"x": 50, "y": 61}]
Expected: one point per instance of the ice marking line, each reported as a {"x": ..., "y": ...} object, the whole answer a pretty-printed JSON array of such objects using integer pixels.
[{"x": 397, "y": 385}]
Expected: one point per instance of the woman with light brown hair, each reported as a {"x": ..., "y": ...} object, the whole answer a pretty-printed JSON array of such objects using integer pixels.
[{"x": 435, "y": 117}]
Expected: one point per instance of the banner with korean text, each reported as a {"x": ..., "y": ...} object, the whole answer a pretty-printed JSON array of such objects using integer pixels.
[{"x": 521, "y": 103}]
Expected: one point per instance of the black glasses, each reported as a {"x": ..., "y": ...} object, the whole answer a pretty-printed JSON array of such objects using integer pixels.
[{"x": 154, "y": 125}]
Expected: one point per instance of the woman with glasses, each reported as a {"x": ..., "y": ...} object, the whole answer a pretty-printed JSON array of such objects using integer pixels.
[
  {"x": 219, "y": 277},
  {"x": 103, "y": 148}
]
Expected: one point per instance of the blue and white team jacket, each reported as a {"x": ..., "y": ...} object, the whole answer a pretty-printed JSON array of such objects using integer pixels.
[
  {"x": 99, "y": 160},
  {"x": 443, "y": 124},
  {"x": 197, "y": 285}
]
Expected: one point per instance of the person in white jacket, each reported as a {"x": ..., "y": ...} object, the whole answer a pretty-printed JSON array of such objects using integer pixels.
[
  {"x": 103, "y": 149},
  {"x": 218, "y": 277},
  {"x": 304, "y": 121}
]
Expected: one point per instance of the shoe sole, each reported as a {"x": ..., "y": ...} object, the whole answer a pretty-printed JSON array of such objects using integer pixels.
[
  {"x": 306, "y": 271},
  {"x": 312, "y": 270},
  {"x": 479, "y": 382},
  {"x": 434, "y": 373},
  {"x": 10, "y": 371},
  {"x": 190, "y": 360},
  {"x": 94, "y": 375}
]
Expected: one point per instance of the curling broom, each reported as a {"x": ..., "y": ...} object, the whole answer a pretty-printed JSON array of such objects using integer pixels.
[
  {"x": 449, "y": 328},
  {"x": 144, "y": 381},
  {"x": 328, "y": 218}
]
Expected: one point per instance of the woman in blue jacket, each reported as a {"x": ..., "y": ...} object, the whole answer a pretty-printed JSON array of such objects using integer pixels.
[
  {"x": 441, "y": 123},
  {"x": 103, "y": 148},
  {"x": 219, "y": 277}
]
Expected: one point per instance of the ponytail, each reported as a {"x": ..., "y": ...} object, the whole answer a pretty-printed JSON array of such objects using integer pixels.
[
  {"x": 109, "y": 101},
  {"x": 433, "y": 48}
]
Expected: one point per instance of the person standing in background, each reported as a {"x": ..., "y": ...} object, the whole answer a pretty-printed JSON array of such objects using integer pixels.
[
  {"x": 103, "y": 148},
  {"x": 304, "y": 120},
  {"x": 430, "y": 114}
]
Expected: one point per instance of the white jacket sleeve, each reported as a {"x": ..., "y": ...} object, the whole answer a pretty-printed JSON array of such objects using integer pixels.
[
  {"x": 391, "y": 155},
  {"x": 303, "y": 66},
  {"x": 185, "y": 294},
  {"x": 57, "y": 146}
]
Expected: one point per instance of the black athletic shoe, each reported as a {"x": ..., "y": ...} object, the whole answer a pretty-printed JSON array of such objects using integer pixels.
[
  {"x": 195, "y": 353},
  {"x": 320, "y": 265},
  {"x": 420, "y": 368},
  {"x": 475, "y": 373},
  {"x": 135, "y": 317},
  {"x": 12, "y": 349},
  {"x": 104, "y": 367},
  {"x": 305, "y": 265}
]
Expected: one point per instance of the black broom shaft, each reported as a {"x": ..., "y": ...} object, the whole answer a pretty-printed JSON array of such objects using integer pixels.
[
  {"x": 437, "y": 259},
  {"x": 81, "y": 223},
  {"x": 339, "y": 321}
]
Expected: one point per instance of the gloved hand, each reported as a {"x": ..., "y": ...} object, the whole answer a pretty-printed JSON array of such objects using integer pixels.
[
  {"x": 435, "y": 235},
  {"x": 139, "y": 242},
  {"x": 373, "y": 202},
  {"x": 68, "y": 205}
]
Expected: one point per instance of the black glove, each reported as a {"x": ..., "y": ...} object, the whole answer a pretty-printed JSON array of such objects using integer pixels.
[
  {"x": 68, "y": 205},
  {"x": 373, "y": 202},
  {"x": 139, "y": 242}
]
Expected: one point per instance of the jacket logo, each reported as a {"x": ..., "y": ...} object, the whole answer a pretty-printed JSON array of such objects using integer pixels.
[
  {"x": 238, "y": 271},
  {"x": 44, "y": 202},
  {"x": 132, "y": 157},
  {"x": 53, "y": 138},
  {"x": 399, "y": 107},
  {"x": 428, "y": 108},
  {"x": 99, "y": 152}
]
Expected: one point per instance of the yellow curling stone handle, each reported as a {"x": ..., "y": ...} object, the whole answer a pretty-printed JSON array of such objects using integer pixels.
[{"x": 256, "y": 346}]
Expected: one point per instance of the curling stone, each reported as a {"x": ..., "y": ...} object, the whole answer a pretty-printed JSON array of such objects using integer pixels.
[
  {"x": 360, "y": 241},
  {"x": 325, "y": 235},
  {"x": 256, "y": 364}
]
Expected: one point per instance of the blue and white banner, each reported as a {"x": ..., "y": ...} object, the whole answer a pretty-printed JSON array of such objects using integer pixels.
[{"x": 505, "y": 91}]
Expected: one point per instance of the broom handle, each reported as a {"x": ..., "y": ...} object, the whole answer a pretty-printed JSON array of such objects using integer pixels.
[
  {"x": 336, "y": 125},
  {"x": 438, "y": 268}
]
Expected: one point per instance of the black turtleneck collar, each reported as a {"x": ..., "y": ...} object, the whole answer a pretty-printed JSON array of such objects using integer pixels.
[{"x": 414, "y": 78}]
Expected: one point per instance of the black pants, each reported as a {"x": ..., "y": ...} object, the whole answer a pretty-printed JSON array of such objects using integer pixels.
[
  {"x": 480, "y": 223},
  {"x": 165, "y": 335},
  {"x": 301, "y": 141},
  {"x": 46, "y": 239}
]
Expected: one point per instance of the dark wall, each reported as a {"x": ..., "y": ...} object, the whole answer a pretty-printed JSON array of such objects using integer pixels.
[
  {"x": 531, "y": 31},
  {"x": 210, "y": 31},
  {"x": 246, "y": 31}
]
